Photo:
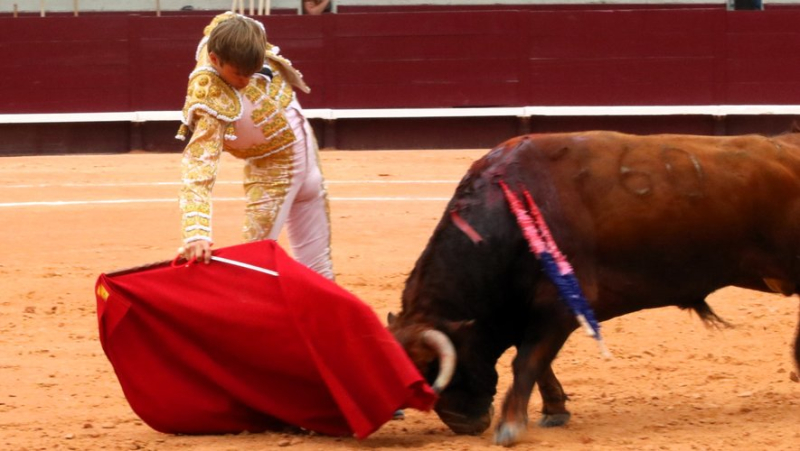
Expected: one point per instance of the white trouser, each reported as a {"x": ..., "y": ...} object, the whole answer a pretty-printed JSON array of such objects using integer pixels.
[{"x": 288, "y": 188}]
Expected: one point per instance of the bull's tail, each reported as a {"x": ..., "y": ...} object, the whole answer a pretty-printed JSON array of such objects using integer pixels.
[{"x": 707, "y": 315}]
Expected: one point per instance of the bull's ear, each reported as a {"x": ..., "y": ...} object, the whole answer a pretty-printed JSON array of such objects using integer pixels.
[{"x": 390, "y": 318}]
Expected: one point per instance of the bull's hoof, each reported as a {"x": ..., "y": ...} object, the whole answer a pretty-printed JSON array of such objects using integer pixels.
[
  {"x": 508, "y": 433},
  {"x": 554, "y": 420}
]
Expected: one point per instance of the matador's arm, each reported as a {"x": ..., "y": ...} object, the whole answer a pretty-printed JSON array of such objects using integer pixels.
[{"x": 198, "y": 173}]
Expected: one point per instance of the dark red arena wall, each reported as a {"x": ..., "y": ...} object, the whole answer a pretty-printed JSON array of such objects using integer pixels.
[
  {"x": 418, "y": 59},
  {"x": 421, "y": 59}
]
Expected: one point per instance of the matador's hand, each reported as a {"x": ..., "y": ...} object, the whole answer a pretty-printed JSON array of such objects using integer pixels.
[{"x": 199, "y": 250}]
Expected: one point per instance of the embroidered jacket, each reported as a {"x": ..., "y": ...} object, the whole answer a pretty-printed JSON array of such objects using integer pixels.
[{"x": 211, "y": 112}]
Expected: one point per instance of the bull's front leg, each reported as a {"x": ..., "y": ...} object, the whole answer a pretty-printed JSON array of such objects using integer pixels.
[
  {"x": 531, "y": 363},
  {"x": 797, "y": 347},
  {"x": 554, "y": 400}
]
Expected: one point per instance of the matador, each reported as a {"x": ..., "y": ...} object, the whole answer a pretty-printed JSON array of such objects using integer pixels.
[{"x": 264, "y": 125}]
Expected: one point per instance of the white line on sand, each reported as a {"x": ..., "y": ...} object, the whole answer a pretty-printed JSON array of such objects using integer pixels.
[{"x": 62, "y": 203}]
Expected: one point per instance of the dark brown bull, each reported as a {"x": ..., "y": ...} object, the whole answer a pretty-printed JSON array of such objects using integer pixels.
[{"x": 646, "y": 221}]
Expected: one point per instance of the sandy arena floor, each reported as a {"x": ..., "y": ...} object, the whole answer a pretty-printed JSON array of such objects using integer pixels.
[{"x": 673, "y": 385}]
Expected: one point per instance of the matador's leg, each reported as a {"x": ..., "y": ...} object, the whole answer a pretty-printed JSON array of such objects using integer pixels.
[{"x": 309, "y": 223}]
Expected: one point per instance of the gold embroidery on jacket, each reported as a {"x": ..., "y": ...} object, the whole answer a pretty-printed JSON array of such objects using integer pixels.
[
  {"x": 207, "y": 91},
  {"x": 280, "y": 91},
  {"x": 198, "y": 173},
  {"x": 266, "y": 182},
  {"x": 256, "y": 90}
]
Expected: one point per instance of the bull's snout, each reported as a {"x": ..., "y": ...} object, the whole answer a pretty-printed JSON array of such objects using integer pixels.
[{"x": 463, "y": 424}]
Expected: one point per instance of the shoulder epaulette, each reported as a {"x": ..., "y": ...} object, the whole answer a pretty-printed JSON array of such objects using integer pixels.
[{"x": 208, "y": 92}]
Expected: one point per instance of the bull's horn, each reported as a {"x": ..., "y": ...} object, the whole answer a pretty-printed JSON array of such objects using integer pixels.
[{"x": 447, "y": 357}]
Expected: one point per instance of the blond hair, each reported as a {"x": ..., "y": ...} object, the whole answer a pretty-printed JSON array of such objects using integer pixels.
[{"x": 240, "y": 42}]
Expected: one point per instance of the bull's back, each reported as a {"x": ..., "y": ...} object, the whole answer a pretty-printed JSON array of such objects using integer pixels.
[{"x": 659, "y": 191}]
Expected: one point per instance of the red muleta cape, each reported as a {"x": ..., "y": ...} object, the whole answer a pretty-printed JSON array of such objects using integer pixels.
[{"x": 217, "y": 348}]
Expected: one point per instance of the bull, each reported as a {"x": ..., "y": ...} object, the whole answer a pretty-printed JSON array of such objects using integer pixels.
[{"x": 645, "y": 221}]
